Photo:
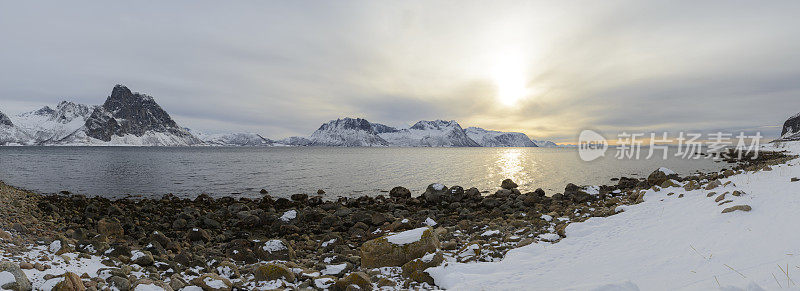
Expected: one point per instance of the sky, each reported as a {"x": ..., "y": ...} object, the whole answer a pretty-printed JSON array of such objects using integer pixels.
[{"x": 546, "y": 68}]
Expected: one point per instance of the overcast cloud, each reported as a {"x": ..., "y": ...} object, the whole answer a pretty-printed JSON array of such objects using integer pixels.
[{"x": 281, "y": 68}]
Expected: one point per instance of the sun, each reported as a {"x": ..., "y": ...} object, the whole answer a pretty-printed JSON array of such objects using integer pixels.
[{"x": 508, "y": 76}]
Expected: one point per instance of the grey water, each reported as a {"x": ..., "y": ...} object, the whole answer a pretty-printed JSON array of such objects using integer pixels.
[{"x": 117, "y": 172}]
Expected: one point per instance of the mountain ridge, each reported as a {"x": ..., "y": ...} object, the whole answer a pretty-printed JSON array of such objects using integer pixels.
[{"x": 132, "y": 118}]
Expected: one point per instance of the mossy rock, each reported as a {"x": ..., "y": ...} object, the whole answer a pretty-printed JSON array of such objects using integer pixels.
[
  {"x": 359, "y": 279},
  {"x": 394, "y": 251},
  {"x": 415, "y": 269},
  {"x": 273, "y": 271}
]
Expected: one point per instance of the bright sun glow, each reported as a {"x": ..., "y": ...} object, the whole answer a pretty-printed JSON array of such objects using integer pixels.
[{"x": 508, "y": 75}]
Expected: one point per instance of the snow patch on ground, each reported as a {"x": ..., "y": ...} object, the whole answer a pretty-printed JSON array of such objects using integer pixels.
[
  {"x": 273, "y": 246},
  {"x": 407, "y": 237},
  {"x": 289, "y": 215}
]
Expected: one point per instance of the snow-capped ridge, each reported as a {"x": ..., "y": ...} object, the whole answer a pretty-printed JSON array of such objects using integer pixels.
[
  {"x": 232, "y": 139},
  {"x": 430, "y": 133},
  {"x": 492, "y": 138},
  {"x": 347, "y": 132}
]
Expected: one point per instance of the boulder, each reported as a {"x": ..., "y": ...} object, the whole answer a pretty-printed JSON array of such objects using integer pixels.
[
  {"x": 273, "y": 271},
  {"x": 415, "y": 269},
  {"x": 110, "y": 227},
  {"x": 71, "y": 282},
  {"x": 359, "y": 279},
  {"x": 212, "y": 282},
  {"x": 400, "y": 192},
  {"x": 713, "y": 185},
  {"x": 508, "y": 184},
  {"x": 118, "y": 282},
  {"x": 21, "y": 281},
  {"x": 149, "y": 284},
  {"x": 398, "y": 249},
  {"x": 198, "y": 234},
  {"x": 658, "y": 177},
  {"x": 435, "y": 193},
  {"x": 142, "y": 258}
]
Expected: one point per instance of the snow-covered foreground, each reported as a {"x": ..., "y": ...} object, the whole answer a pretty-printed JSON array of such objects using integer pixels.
[{"x": 664, "y": 243}]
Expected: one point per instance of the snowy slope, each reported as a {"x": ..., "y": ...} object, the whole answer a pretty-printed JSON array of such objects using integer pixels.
[
  {"x": 232, "y": 139},
  {"x": 664, "y": 243},
  {"x": 48, "y": 125},
  {"x": 492, "y": 138},
  {"x": 10, "y": 134},
  {"x": 436, "y": 133},
  {"x": 293, "y": 141},
  {"x": 347, "y": 132}
]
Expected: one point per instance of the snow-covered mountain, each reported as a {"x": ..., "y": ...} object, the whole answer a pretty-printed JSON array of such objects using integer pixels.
[
  {"x": 293, "y": 141},
  {"x": 791, "y": 128},
  {"x": 347, "y": 132},
  {"x": 545, "y": 144},
  {"x": 492, "y": 138},
  {"x": 47, "y": 125},
  {"x": 232, "y": 139},
  {"x": 436, "y": 133},
  {"x": 10, "y": 134}
]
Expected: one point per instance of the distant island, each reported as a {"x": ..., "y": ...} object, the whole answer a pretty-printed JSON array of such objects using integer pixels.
[{"x": 133, "y": 119}]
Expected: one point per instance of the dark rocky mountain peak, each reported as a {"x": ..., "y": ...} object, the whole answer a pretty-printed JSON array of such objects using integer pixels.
[
  {"x": 435, "y": 124},
  {"x": 130, "y": 113},
  {"x": 348, "y": 123},
  {"x": 4, "y": 120},
  {"x": 791, "y": 128},
  {"x": 381, "y": 128}
]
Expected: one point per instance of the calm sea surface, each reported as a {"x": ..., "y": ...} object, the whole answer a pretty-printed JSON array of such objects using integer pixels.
[{"x": 151, "y": 172}]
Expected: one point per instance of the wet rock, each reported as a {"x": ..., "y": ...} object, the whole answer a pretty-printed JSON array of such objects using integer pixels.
[
  {"x": 264, "y": 192},
  {"x": 400, "y": 192},
  {"x": 303, "y": 197},
  {"x": 398, "y": 249},
  {"x": 456, "y": 194},
  {"x": 508, "y": 184},
  {"x": 273, "y": 271},
  {"x": 21, "y": 280},
  {"x": 490, "y": 202}
]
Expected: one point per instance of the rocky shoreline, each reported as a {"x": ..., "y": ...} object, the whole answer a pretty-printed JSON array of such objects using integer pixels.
[{"x": 302, "y": 242}]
